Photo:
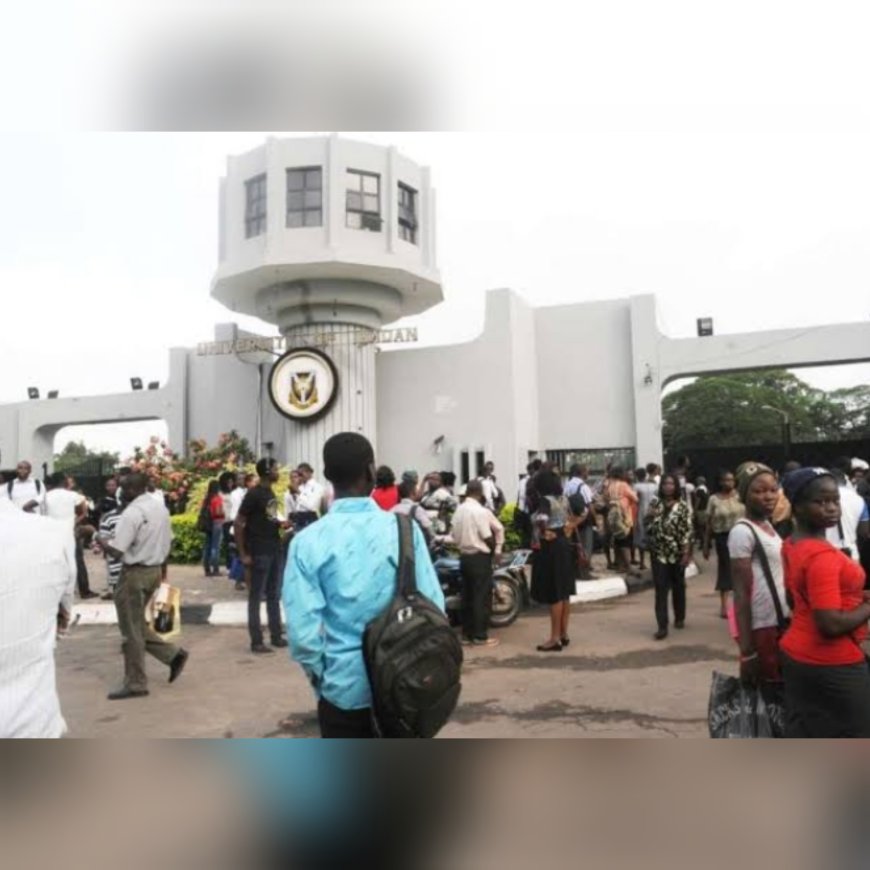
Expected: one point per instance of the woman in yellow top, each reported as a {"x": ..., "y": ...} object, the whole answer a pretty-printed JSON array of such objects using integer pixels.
[{"x": 723, "y": 511}]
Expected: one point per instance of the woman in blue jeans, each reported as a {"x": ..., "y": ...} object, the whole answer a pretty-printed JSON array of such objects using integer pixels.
[{"x": 212, "y": 545}]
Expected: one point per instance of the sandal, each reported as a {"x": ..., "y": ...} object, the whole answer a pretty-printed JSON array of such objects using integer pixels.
[
  {"x": 549, "y": 647},
  {"x": 565, "y": 641}
]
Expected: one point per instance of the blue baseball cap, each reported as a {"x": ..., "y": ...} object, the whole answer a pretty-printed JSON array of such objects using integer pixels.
[{"x": 795, "y": 482}]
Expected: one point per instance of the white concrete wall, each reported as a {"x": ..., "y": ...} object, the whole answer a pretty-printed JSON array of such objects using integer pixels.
[
  {"x": 585, "y": 383},
  {"x": 27, "y": 429},
  {"x": 466, "y": 392}
]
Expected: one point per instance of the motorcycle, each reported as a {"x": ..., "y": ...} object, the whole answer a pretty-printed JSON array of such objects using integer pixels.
[{"x": 510, "y": 586}]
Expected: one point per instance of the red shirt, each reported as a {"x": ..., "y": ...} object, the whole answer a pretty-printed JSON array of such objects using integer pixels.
[
  {"x": 216, "y": 507},
  {"x": 820, "y": 577},
  {"x": 387, "y": 497}
]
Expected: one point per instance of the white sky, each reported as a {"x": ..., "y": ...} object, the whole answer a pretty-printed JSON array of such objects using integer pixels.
[{"x": 718, "y": 162}]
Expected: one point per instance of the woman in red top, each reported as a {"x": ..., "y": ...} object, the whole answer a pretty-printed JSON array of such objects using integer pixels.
[
  {"x": 385, "y": 493},
  {"x": 827, "y": 681},
  {"x": 211, "y": 550}
]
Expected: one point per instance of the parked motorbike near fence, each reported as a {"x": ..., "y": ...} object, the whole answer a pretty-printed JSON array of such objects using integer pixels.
[{"x": 510, "y": 587}]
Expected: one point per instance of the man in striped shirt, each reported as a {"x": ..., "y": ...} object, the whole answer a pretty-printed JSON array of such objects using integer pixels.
[
  {"x": 108, "y": 522},
  {"x": 37, "y": 578}
]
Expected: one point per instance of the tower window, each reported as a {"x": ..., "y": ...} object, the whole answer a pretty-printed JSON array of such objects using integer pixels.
[
  {"x": 305, "y": 197},
  {"x": 255, "y": 206},
  {"x": 363, "y": 200},
  {"x": 408, "y": 214}
]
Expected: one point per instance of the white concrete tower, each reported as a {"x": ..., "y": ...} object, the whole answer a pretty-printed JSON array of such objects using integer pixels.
[{"x": 328, "y": 239}]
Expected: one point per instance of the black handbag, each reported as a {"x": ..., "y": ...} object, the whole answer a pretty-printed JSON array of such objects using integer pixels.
[{"x": 164, "y": 621}]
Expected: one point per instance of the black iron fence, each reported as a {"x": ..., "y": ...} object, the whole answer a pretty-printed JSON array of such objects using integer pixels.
[{"x": 707, "y": 461}]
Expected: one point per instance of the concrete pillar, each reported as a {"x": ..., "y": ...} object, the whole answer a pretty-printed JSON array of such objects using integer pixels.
[
  {"x": 646, "y": 380},
  {"x": 355, "y": 404}
]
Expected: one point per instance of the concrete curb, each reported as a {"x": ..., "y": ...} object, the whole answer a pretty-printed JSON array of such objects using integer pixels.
[{"x": 236, "y": 612}]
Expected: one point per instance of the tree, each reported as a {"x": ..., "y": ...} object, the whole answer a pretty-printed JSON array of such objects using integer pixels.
[
  {"x": 76, "y": 454},
  {"x": 733, "y": 410}
]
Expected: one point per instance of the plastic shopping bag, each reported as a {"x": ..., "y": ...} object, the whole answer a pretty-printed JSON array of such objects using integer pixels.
[{"x": 737, "y": 710}]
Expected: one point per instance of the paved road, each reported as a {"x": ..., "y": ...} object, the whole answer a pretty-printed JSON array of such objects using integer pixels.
[{"x": 614, "y": 680}]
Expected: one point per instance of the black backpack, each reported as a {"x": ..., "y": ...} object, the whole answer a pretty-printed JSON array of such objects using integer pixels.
[{"x": 413, "y": 657}]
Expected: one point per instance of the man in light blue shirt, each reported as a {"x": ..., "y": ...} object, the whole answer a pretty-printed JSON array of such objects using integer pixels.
[{"x": 341, "y": 574}]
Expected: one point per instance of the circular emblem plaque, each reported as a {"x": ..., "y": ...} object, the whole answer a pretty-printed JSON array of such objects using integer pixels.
[{"x": 303, "y": 384}]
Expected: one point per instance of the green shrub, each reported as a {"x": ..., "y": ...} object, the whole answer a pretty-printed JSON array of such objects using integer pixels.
[
  {"x": 512, "y": 538},
  {"x": 187, "y": 541}
]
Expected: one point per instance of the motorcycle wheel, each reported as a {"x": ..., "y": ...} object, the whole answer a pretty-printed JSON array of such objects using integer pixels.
[{"x": 505, "y": 602}]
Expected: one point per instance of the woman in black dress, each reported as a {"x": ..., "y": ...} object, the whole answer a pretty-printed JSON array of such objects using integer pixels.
[{"x": 554, "y": 568}]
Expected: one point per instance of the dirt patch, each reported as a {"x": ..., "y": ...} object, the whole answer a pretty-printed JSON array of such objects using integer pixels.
[
  {"x": 632, "y": 660},
  {"x": 579, "y": 715}
]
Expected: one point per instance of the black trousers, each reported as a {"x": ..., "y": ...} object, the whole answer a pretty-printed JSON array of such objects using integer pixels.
[
  {"x": 82, "y": 580},
  {"x": 669, "y": 579},
  {"x": 826, "y": 700},
  {"x": 523, "y": 524},
  {"x": 335, "y": 722},
  {"x": 266, "y": 577},
  {"x": 476, "y": 594}
]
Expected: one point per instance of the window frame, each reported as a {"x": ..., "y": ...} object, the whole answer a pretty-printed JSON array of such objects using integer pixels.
[
  {"x": 305, "y": 210},
  {"x": 256, "y": 222},
  {"x": 408, "y": 229},
  {"x": 362, "y": 211}
]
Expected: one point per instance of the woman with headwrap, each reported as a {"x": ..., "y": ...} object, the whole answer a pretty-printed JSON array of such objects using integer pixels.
[
  {"x": 827, "y": 681},
  {"x": 754, "y": 549}
]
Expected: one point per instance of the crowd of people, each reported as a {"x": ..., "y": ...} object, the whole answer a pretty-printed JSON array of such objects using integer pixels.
[{"x": 789, "y": 550}]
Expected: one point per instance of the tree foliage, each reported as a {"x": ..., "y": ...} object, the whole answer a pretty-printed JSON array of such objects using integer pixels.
[
  {"x": 77, "y": 454},
  {"x": 729, "y": 411}
]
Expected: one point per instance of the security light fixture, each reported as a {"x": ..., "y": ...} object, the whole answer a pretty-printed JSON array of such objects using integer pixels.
[
  {"x": 154, "y": 385},
  {"x": 52, "y": 394},
  {"x": 705, "y": 326},
  {"x": 136, "y": 383},
  {"x": 32, "y": 393}
]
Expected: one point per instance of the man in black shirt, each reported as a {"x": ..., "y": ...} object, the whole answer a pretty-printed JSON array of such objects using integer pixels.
[{"x": 257, "y": 531}]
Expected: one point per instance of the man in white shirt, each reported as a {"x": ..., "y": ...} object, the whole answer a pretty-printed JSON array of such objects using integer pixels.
[
  {"x": 309, "y": 501},
  {"x": 62, "y": 503},
  {"x": 479, "y": 536},
  {"x": 854, "y": 523},
  {"x": 142, "y": 541},
  {"x": 491, "y": 491},
  {"x": 69, "y": 507},
  {"x": 37, "y": 577},
  {"x": 24, "y": 492}
]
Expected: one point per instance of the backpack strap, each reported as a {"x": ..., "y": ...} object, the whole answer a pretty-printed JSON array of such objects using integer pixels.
[
  {"x": 406, "y": 579},
  {"x": 781, "y": 621}
]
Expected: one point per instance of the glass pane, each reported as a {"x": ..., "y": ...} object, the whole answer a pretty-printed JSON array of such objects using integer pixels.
[
  {"x": 313, "y": 218},
  {"x": 295, "y": 201},
  {"x": 295, "y": 179},
  {"x": 354, "y": 180},
  {"x": 370, "y": 183},
  {"x": 370, "y": 203},
  {"x": 354, "y": 220},
  {"x": 312, "y": 198},
  {"x": 354, "y": 200},
  {"x": 312, "y": 179},
  {"x": 294, "y": 218}
]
